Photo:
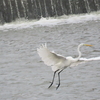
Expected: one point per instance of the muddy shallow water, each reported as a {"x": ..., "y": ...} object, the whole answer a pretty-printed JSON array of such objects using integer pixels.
[{"x": 23, "y": 76}]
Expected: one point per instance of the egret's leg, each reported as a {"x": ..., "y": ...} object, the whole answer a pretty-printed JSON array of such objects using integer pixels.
[
  {"x": 53, "y": 79},
  {"x": 58, "y": 79}
]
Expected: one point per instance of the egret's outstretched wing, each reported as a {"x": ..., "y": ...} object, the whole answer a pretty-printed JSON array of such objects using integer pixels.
[
  {"x": 84, "y": 60},
  {"x": 49, "y": 58},
  {"x": 90, "y": 59}
]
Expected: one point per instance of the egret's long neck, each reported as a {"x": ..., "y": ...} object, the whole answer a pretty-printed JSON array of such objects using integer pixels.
[{"x": 79, "y": 52}]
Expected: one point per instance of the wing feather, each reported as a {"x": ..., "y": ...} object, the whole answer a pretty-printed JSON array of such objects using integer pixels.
[
  {"x": 48, "y": 57},
  {"x": 84, "y": 60}
]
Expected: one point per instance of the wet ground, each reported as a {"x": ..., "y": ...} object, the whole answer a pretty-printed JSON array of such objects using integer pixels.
[{"x": 23, "y": 76}]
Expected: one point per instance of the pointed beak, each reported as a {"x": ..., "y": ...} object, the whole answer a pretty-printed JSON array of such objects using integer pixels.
[{"x": 88, "y": 45}]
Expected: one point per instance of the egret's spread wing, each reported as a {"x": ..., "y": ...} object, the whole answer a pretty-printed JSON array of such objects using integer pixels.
[
  {"x": 84, "y": 60},
  {"x": 90, "y": 59},
  {"x": 49, "y": 58}
]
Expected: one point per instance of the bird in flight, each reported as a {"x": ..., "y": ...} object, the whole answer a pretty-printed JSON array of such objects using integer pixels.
[{"x": 57, "y": 62}]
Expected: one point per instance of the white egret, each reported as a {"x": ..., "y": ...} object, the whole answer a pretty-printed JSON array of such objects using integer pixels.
[{"x": 58, "y": 62}]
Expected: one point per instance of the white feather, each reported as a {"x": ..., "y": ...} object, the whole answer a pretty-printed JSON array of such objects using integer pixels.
[{"x": 51, "y": 58}]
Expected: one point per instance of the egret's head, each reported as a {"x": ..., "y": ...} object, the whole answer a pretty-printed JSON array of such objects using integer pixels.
[
  {"x": 87, "y": 45},
  {"x": 83, "y": 44}
]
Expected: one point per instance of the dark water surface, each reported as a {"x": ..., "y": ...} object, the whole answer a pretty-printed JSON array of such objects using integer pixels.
[{"x": 23, "y": 76}]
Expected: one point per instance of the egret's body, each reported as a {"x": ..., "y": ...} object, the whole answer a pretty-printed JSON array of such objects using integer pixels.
[{"x": 57, "y": 62}]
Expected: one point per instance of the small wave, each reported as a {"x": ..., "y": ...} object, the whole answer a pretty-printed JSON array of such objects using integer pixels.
[{"x": 23, "y": 23}]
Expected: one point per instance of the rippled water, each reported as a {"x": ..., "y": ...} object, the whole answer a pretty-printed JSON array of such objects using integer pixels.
[{"x": 23, "y": 76}]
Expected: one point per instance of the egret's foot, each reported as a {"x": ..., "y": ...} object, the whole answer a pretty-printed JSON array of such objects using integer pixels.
[
  {"x": 57, "y": 86},
  {"x": 50, "y": 85}
]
